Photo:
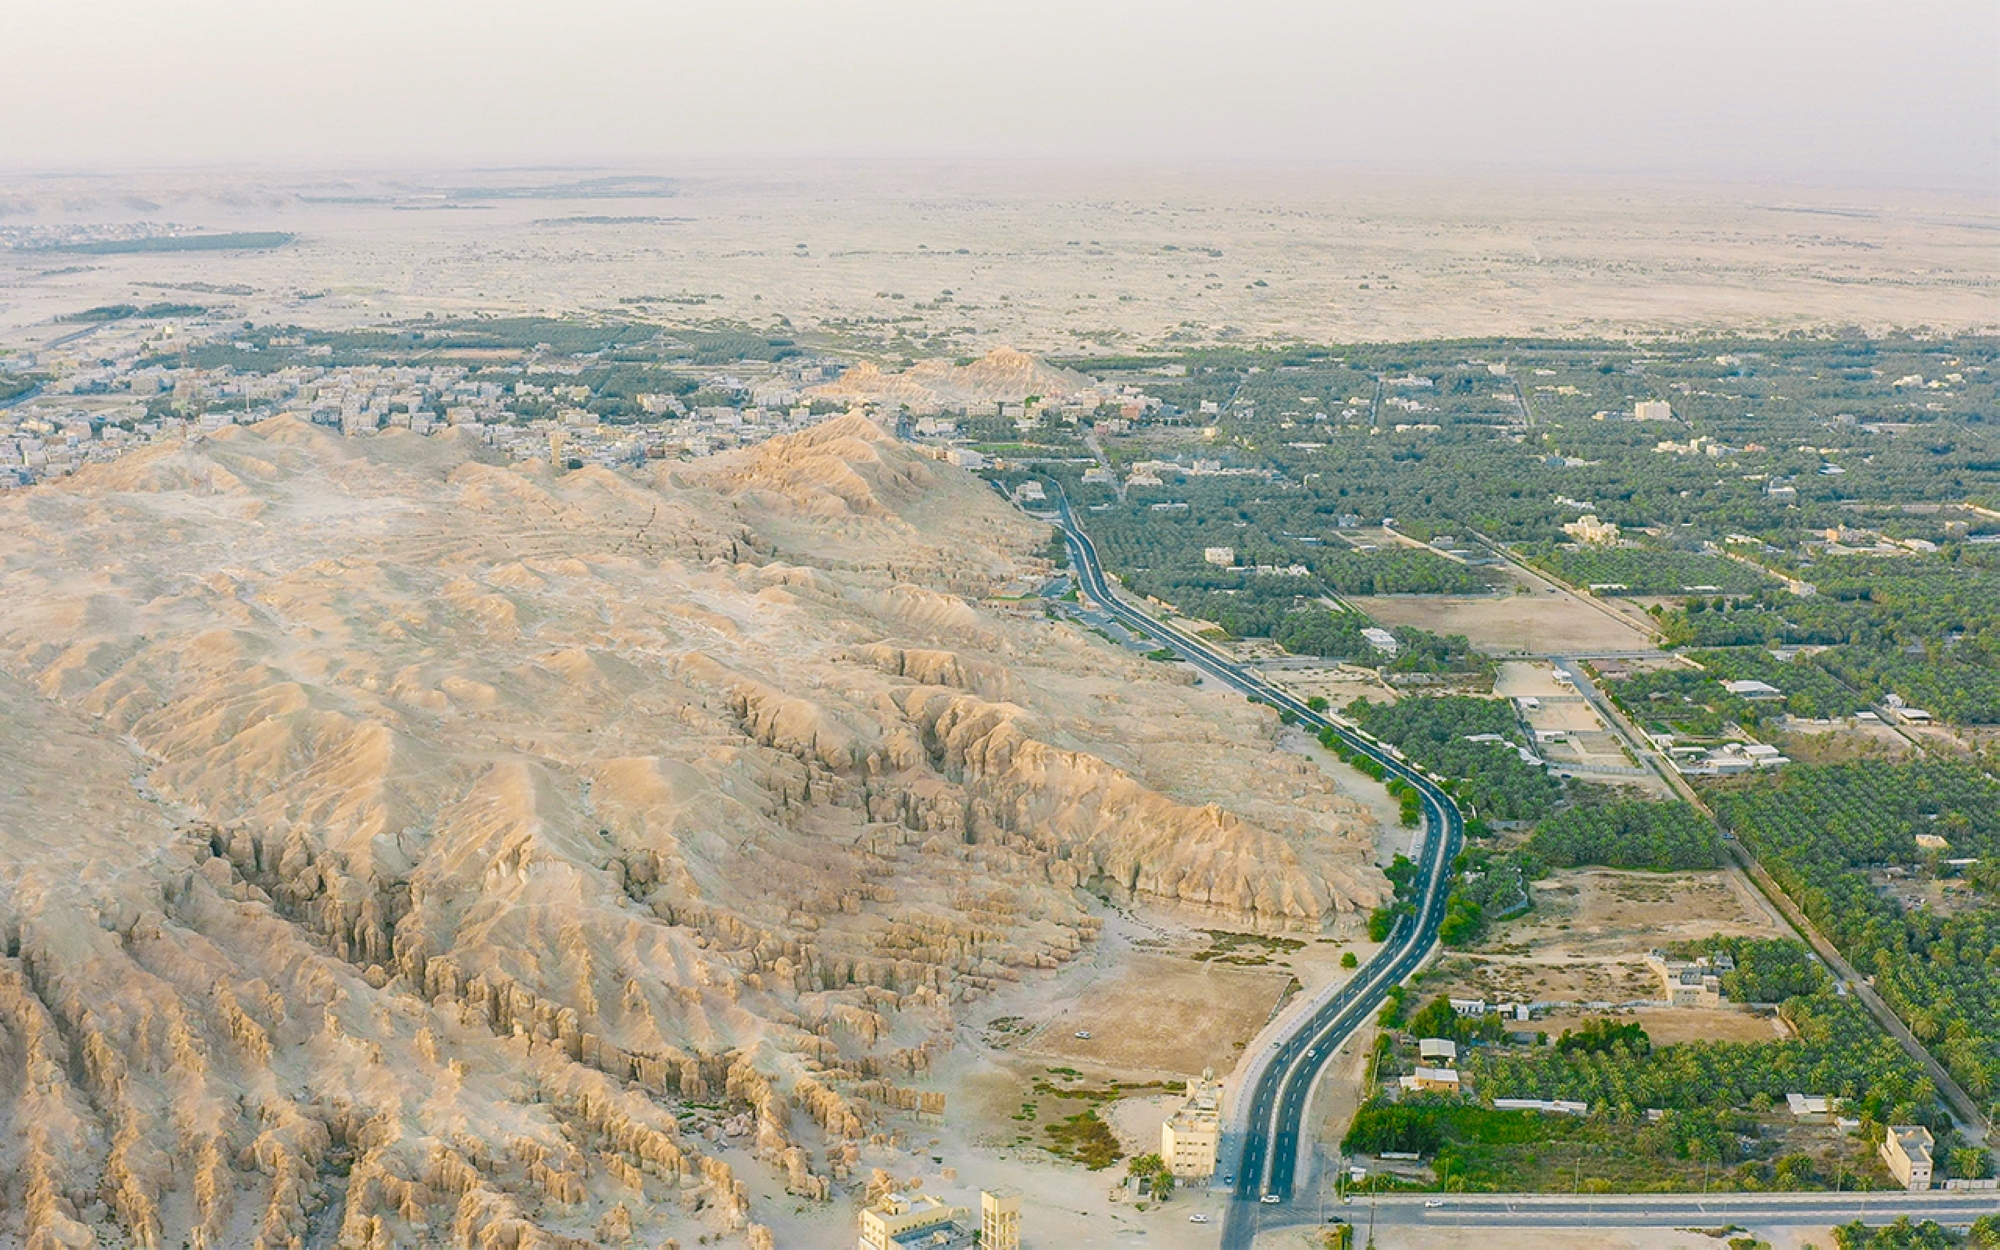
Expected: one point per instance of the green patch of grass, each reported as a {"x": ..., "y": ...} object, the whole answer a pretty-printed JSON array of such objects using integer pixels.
[
  {"x": 1245, "y": 950},
  {"x": 1086, "y": 1139}
]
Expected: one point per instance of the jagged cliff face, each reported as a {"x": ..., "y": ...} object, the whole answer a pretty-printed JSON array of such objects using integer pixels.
[{"x": 395, "y": 845}]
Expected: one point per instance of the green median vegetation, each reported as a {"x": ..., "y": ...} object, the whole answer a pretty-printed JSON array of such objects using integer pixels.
[
  {"x": 1402, "y": 874},
  {"x": 1488, "y": 887}
]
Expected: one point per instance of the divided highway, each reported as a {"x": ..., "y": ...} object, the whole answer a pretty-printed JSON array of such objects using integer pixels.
[{"x": 1280, "y": 1087}]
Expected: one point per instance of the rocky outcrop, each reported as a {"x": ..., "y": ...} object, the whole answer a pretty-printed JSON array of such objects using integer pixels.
[
  {"x": 1002, "y": 375},
  {"x": 514, "y": 851}
]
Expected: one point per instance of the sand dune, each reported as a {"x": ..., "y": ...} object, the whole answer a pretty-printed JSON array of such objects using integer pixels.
[{"x": 397, "y": 845}]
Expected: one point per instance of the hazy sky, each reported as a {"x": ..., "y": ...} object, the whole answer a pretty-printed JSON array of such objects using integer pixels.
[{"x": 1903, "y": 92}]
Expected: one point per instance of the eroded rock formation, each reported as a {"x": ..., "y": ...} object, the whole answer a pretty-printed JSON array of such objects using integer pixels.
[{"x": 400, "y": 846}]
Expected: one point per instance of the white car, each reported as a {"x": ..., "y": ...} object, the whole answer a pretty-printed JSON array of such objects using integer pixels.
[
  {"x": 1083, "y": 1035},
  {"x": 1270, "y": 1200},
  {"x": 1197, "y": 1218},
  {"x": 1433, "y": 1203}
]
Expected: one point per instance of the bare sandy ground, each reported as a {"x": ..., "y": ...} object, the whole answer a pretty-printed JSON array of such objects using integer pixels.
[
  {"x": 1338, "y": 684},
  {"x": 1544, "y": 621},
  {"x": 1683, "y": 1024},
  {"x": 1587, "y": 938},
  {"x": 1523, "y": 679},
  {"x": 1391, "y": 837},
  {"x": 1046, "y": 259},
  {"x": 1164, "y": 1014}
]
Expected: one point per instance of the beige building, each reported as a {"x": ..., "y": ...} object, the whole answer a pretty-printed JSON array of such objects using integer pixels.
[
  {"x": 1592, "y": 532},
  {"x": 1906, "y": 1149},
  {"x": 1192, "y": 1135},
  {"x": 1652, "y": 410},
  {"x": 899, "y": 1223},
  {"x": 1691, "y": 983},
  {"x": 1432, "y": 1081},
  {"x": 1000, "y": 1219}
]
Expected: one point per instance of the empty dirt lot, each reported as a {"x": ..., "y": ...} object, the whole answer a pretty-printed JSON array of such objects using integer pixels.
[
  {"x": 1160, "y": 1013},
  {"x": 1586, "y": 940},
  {"x": 1666, "y": 1025},
  {"x": 1545, "y": 622}
]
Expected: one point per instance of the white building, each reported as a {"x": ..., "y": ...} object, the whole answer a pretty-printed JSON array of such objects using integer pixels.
[
  {"x": 1382, "y": 640},
  {"x": 1805, "y": 1106},
  {"x": 1755, "y": 691},
  {"x": 897, "y": 1221},
  {"x": 1438, "y": 1050},
  {"x": 1222, "y": 557}
]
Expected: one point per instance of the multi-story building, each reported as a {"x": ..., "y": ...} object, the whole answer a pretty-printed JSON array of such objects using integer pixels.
[
  {"x": 920, "y": 1222},
  {"x": 1191, "y": 1136},
  {"x": 897, "y": 1222},
  {"x": 1000, "y": 1219},
  {"x": 1591, "y": 532},
  {"x": 1691, "y": 983},
  {"x": 1906, "y": 1148}
]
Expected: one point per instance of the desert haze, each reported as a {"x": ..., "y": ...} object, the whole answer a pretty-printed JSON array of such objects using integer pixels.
[{"x": 932, "y": 261}]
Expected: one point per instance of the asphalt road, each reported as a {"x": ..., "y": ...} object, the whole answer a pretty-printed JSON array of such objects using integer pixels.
[
  {"x": 1276, "y": 1132},
  {"x": 1273, "y": 1146},
  {"x": 1471, "y": 1211}
]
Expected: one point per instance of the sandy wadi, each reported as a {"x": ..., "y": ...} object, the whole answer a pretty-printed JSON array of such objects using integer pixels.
[{"x": 396, "y": 845}]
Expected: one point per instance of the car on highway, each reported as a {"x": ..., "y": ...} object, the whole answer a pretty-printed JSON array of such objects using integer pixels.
[{"x": 1433, "y": 1203}]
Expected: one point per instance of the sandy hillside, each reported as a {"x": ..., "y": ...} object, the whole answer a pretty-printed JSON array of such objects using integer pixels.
[
  {"x": 396, "y": 845},
  {"x": 1001, "y": 375}
]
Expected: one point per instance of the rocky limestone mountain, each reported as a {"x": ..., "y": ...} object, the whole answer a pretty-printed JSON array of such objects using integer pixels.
[
  {"x": 1002, "y": 375},
  {"x": 398, "y": 846}
]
